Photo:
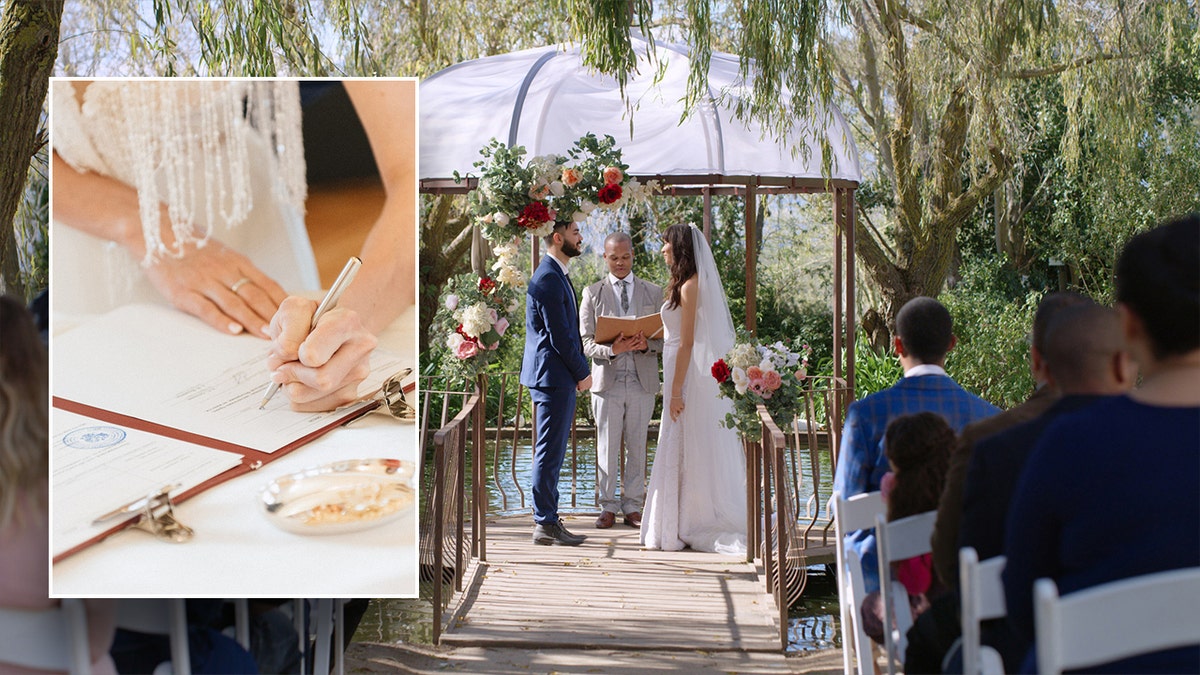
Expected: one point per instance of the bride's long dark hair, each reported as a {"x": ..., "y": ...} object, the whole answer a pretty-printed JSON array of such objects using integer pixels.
[{"x": 683, "y": 265}]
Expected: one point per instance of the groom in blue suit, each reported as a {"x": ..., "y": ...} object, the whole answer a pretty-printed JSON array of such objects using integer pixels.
[{"x": 554, "y": 369}]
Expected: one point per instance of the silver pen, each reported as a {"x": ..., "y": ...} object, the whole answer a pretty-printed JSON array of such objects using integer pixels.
[{"x": 328, "y": 303}]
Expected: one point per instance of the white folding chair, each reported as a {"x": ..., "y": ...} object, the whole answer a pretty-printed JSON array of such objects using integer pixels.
[
  {"x": 158, "y": 617},
  {"x": 849, "y": 515},
  {"x": 47, "y": 639},
  {"x": 1116, "y": 620},
  {"x": 982, "y": 599},
  {"x": 899, "y": 540},
  {"x": 330, "y": 627}
]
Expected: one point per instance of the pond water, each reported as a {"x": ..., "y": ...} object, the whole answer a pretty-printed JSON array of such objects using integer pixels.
[{"x": 814, "y": 621}]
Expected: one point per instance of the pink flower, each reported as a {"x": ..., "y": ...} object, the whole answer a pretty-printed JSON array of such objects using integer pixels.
[
  {"x": 612, "y": 175},
  {"x": 801, "y": 373},
  {"x": 570, "y": 177},
  {"x": 466, "y": 349},
  {"x": 500, "y": 326},
  {"x": 772, "y": 380},
  {"x": 495, "y": 345},
  {"x": 492, "y": 316},
  {"x": 539, "y": 191},
  {"x": 754, "y": 373}
]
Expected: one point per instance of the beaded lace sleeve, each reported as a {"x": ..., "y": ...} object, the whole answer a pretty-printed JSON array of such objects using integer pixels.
[{"x": 183, "y": 143}]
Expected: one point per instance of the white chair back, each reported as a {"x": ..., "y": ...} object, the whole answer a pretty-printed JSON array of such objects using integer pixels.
[
  {"x": 47, "y": 639},
  {"x": 899, "y": 540},
  {"x": 159, "y": 617},
  {"x": 982, "y": 598},
  {"x": 849, "y": 515},
  {"x": 1116, "y": 620}
]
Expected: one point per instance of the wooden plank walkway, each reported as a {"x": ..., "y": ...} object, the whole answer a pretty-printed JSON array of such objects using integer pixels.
[{"x": 609, "y": 593}]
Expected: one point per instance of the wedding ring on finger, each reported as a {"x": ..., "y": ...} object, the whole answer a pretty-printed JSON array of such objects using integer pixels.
[{"x": 238, "y": 284}]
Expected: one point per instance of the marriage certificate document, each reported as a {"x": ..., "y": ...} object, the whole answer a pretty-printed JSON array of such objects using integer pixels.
[{"x": 158, "y": 365}]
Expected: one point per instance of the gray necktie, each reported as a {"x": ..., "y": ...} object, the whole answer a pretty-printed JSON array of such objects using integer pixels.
[{"x": 624, "y": 296}]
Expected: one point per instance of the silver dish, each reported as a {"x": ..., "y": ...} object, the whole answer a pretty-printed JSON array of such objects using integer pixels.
[{"x": 344, "y": 496}]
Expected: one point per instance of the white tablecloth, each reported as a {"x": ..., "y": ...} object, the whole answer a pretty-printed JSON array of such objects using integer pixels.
[{"x": 237, "y": 552}]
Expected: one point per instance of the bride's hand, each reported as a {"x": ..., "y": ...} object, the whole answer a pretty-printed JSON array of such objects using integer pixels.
[
  {"x": 218, "y": 285},
  {"x": 676, "y": 407}
]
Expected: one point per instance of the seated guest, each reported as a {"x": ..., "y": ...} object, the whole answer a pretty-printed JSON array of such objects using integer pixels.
[
  {"x": 1110, "y": 492},
  {"x": 24, "y": 466},
  {"x": 1086, "y": 361},
  {"x": 924, "y": 335},
  {"x": 945, "y": 529},
  {"x": 918, "y": 448}
]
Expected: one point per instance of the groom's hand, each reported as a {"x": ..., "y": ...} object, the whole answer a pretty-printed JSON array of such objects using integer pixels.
[{"x": 584, "y": 384}]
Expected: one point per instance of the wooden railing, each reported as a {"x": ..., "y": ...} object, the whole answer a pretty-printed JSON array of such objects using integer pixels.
[{"x": 480, "y": 433}]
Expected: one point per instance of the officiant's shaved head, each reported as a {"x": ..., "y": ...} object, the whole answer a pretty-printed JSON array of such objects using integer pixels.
[{"x": 618, "y": 254}]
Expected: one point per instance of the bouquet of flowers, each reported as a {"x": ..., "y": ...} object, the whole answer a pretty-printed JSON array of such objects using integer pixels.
[
  {"x": 752, "y": 373},
  {"x": 516, "y": 197},
  {"x": 471, "y": 321}
]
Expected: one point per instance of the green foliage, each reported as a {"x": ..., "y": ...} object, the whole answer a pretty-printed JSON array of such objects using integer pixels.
[
  {"x": 873, "y": 371},
  {"x": 992, "y": 323}
]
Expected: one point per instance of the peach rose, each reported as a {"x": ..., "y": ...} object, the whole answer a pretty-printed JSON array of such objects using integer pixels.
[
  {"x": 772, "y": 380},
  {"x": 570, "y": 177},
  {"x": 754, "y": 373},
  {"x": 612, "y": 175}
]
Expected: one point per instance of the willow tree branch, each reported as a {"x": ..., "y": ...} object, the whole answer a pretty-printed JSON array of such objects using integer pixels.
[{"x": 1054, "y": 69}]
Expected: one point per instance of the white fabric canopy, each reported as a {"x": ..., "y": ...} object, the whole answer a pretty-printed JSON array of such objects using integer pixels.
[{"x": 545, "y": 99}]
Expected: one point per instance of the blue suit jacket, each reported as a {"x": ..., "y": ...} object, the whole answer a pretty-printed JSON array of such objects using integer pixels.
[
  {"x": 553, "y": 349},
  {"x": 861, "y": 460}
]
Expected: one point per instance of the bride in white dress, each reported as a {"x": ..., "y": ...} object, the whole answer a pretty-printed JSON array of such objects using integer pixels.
[{"x": 697, "y": 492}]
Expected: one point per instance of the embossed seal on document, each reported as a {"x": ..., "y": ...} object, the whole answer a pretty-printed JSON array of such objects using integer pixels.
[{"x": 92, "y": 438}]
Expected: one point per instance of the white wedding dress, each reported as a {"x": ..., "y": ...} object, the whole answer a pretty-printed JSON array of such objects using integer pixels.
[
  {"x": 697, "y": 492},
  {"x": 91, "y": 276}
]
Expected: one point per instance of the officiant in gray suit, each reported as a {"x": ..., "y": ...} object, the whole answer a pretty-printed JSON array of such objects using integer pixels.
[{"x": 625, "y": 380}]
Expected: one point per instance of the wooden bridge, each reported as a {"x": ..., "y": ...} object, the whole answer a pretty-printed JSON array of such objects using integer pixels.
[{"x": 500, "y": 590}]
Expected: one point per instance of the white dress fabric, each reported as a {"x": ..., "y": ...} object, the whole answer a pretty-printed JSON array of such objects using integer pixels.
[
  {"x": 237, "y": 188},
  {"x": 697, "y": 492}
]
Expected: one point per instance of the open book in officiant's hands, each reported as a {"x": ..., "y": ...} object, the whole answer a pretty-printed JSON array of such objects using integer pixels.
[{"x": 609, "y": 328}]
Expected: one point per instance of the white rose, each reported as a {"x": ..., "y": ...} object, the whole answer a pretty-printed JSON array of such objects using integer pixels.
[
  {"x": 586, "y": 206},
  {"x": 454, "y": 341},
  {"x": 556, "y": 188},
  {"x": 579, "y": 216},
  {"x": 501, "y": 218},
  {"x": 740, "y": 381},
  {"x": 452, "y": 302}
]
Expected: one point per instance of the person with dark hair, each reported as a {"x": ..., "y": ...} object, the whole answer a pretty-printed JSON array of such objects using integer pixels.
[
  {"x": 697, "y": 492},
  {"x": 1109, "y": 492},
  {"x": 924, "y": 336},
  {"x": 554, "y": 368},
  {"x": 935, "y": 632},
  {"x": 945, "y": 529},
  {"x": 918, "y": 450}
]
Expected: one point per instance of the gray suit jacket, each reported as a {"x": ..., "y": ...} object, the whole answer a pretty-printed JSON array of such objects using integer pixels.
[{"x": 600, "y": 300}]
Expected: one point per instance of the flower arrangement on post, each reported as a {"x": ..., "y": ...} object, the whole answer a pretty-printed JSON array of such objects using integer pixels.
[
  {"x": 518, "y": 198},
  {"x": 470, "y": 323},
  {"x": 752, "y": 373}
]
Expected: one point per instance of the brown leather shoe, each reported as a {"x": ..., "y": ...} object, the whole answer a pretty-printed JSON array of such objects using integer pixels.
[
  {"x": 606, "y": 520},
  {"x": 634, "y": 519}
]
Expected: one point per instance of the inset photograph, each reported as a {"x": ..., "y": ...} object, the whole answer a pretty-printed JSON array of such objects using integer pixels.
[{"x": 233, "y": 337}]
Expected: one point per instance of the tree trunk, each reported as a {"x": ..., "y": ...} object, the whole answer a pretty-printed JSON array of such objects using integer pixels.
[{"x": 28, "y": 47}]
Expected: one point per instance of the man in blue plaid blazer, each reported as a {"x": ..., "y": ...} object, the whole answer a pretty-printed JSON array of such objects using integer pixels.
[{"x": 924, "y": 336}]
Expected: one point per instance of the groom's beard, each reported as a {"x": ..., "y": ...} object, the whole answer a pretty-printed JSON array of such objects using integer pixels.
[{"x": 571, "y": 249}]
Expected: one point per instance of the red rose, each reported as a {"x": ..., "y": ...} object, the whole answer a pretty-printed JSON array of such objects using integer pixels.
[
  {"x": 609, "y": 193},
  {"x": 720, "y": 371},
  {"x": 486, "y": 285},
  {"x": 533, "y": 215}
]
